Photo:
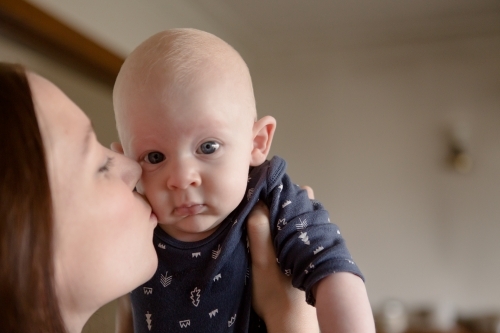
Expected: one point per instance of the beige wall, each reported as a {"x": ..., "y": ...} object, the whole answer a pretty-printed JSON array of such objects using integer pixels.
[
  {"x": 368, "y": 130},
  {"x": 91, "y": 96}
]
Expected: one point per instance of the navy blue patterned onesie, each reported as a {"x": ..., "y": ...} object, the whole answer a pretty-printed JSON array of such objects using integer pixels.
[{"x": 205, "y": 286}]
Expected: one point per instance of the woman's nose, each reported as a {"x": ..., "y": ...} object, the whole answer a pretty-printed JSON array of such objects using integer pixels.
[
  {"x": 130, "y": 171},
  {"x": 183, "y": 174}
]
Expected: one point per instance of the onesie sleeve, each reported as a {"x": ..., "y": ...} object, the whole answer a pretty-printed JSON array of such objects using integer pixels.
[{"x": 308, "y": 246}]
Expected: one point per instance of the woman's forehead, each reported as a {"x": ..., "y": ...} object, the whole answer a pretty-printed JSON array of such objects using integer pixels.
[
  {"x": 52, "y": 106},
  {"x": 62, "y": 124}
]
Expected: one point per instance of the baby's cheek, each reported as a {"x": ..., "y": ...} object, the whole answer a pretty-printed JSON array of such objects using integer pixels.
[
  {"x": 155, "y": 200},
  {"x": 237, "y": 189},
  {"x": 148, "y": 190},
  {"x": 148, "y": 186}
]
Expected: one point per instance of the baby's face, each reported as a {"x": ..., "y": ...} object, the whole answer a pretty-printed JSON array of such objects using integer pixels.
[{"x": 194, "y": 149}]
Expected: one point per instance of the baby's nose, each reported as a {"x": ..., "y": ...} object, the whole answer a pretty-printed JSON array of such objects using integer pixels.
[{"x": 183, "y": 174}]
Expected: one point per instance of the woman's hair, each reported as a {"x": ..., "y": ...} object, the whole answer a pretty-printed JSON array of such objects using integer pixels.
[{"x": 28, "y": 299}]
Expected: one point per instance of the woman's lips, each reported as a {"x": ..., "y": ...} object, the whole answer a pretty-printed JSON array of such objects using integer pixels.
[{"x": 187, "y": 210}]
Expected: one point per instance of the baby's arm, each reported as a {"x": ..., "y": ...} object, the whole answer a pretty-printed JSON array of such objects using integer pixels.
[
  {"x": 311, "y": 248},
  {"x": 342, "y": 304}
]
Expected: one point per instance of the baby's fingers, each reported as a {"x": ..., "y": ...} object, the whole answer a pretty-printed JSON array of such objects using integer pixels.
[{"x": 116, "y": 147}]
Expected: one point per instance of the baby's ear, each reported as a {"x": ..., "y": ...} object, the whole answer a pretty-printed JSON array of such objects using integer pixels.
[
  {"x": 263, "y": 131},
  {"x": 117, "y": 147}
]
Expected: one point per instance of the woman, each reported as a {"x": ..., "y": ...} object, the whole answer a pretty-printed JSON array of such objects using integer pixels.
[{"x": 74, "y": 234}]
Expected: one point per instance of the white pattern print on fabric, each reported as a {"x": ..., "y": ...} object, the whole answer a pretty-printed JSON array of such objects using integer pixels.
[
  {"x": 215, "y": 253},
  {"x": 195, "y": 296},
  {"x": 231, "y": 322},
  {"x": 281, "y": 223},
  {"x": 250, "y": 193},
  {"x": 301, "y": 225},
  {"x": 318, "y": 249},
  {"x": 149, "y": 320},
  {"x": 311, "y": 267},
  {"x": 165, "y": 280},
  {"x": 185, "y": 323},
  {"x": 304, "y": 238},
  {"x": 247, "y": 275}
]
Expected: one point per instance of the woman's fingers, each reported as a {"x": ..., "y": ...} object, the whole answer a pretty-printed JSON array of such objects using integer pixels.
[
  {"x": 274, "y": 299},
  {"x": 310, "y": 192},
  {"x": 259, "y": 237}
]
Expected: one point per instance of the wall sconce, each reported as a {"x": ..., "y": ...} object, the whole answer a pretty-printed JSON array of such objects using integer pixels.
[{"x": 459, "y": 151}]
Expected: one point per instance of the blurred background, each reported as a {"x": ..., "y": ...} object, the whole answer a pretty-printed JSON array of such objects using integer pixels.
[{"x": 389, "y": 109}]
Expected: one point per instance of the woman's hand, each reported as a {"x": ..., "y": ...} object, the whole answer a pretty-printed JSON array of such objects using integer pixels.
[{"x": 282, "y": 307}]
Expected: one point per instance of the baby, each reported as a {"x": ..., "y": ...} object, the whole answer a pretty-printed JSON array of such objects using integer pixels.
[{"x": 185, "y": 110}]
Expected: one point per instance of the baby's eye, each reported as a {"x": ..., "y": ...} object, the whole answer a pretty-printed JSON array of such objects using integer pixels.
[
  {"x": 208, "y": 147},
  {"x": 154, "y": 157}
]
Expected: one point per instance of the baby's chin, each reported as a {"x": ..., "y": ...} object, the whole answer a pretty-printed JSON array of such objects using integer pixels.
[{"x": 191, "y": 228}]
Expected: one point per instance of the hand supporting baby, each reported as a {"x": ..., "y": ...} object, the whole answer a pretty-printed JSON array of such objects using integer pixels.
[{"x": 282, "y": 306}]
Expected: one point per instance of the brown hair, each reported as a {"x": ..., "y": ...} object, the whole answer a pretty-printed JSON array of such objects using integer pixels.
[{"x": 28, "y": 300}]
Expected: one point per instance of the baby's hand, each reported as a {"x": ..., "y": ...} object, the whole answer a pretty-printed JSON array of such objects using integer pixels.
[{"x": 116, "y": 147}]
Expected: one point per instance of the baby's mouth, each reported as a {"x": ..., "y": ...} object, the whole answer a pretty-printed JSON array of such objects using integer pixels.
[{"x": 189, "y": 209}]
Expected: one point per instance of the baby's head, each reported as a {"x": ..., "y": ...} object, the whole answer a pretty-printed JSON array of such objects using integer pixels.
[{"x": 185, "y": 110}]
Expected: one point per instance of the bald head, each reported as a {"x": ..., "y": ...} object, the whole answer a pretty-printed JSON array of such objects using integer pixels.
[{"x": 172, "y": 60}]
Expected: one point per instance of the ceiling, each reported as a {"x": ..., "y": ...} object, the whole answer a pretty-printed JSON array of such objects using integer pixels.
[
  {"x": 291, "y": 25},
  {"x": 267, "y": 27}
]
